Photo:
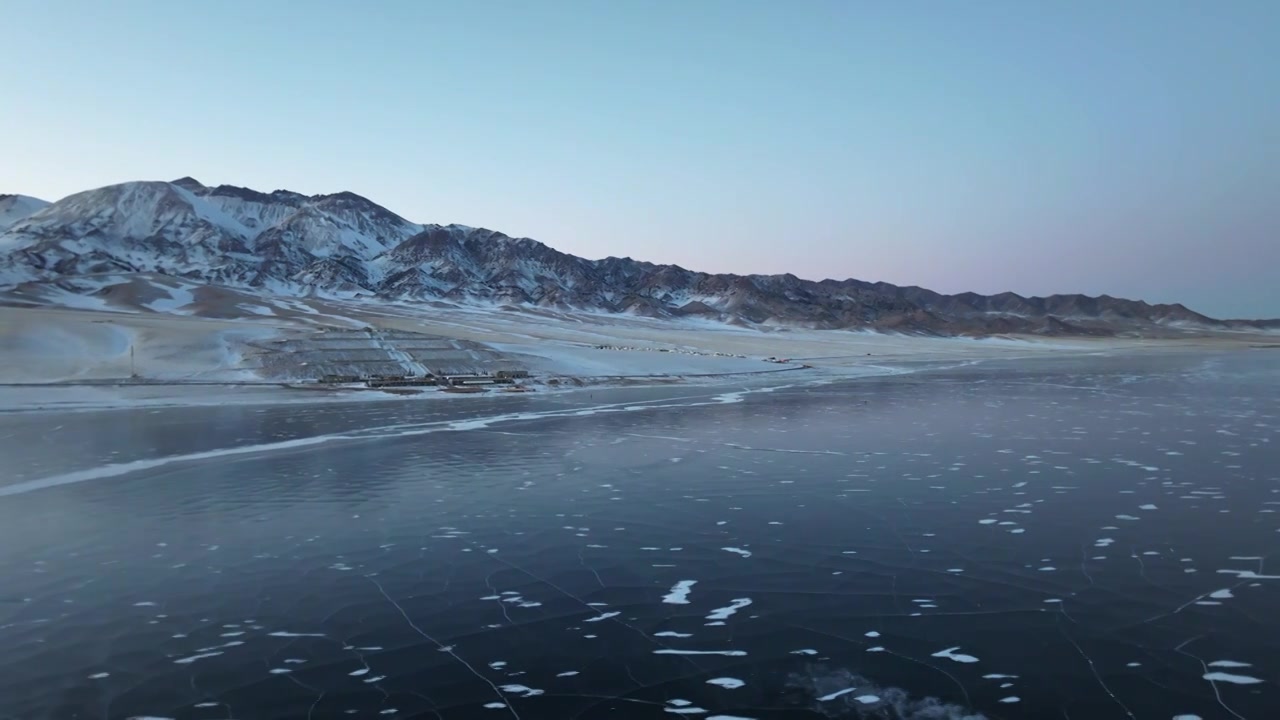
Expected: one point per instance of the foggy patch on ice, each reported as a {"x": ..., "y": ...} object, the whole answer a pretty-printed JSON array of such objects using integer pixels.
[{"x": 839, "y": 693}]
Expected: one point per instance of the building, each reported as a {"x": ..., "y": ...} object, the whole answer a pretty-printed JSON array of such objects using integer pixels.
[{"x": 339, "y": 379}]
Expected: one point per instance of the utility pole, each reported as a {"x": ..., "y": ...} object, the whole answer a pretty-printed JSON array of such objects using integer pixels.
[{"x": 133, "y": 371}]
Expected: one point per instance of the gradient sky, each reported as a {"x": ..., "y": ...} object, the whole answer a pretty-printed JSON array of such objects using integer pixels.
[{"x": 1129, "y": 148}]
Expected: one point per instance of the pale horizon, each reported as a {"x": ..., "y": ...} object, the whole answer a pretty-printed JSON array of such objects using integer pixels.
[{"x": 1131, "y": 151}]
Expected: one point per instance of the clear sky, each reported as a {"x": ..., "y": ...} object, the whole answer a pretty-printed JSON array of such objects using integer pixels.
[{"x": 1128, "y": 147}]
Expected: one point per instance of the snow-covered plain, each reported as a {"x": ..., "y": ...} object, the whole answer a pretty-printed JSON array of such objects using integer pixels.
[{"x": 170, "y": 330}]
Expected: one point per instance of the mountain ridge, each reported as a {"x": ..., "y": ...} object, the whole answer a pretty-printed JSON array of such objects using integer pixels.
[
  {"x": 343, "y": 245},
  {"x": 15, "y": 208}
]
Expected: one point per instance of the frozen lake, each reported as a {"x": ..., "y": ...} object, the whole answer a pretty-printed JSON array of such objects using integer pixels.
[{"x": 1084, "y": 538}]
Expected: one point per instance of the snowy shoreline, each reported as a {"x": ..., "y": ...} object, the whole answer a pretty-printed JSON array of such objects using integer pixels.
[
  {"x": 57, "y": 359},
  {"x": 107, "y": 395}
]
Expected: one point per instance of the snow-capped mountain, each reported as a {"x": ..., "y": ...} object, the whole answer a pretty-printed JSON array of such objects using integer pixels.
[
  {"x": 343, "y": 245},
  {"x": 283, "y": 242},
  {"x": 18, "y": 207}
]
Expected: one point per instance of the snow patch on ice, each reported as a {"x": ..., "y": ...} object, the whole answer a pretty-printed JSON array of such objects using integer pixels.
[
  {"x": 521, "y": 690},
  {"x": 1231, "y": 678},
  {"x": 192, "y": 658},
  {"x": 725, "y": 653},
  {"x": 725, "y": 612},
  {"x": 679, "y": 594},
  {"x": 951, "y": 654}
]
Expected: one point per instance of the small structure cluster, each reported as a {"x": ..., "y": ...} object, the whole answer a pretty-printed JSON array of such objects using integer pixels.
[
  {"x": 449, "y": 382},
  {"x": 677, "y": 351}
]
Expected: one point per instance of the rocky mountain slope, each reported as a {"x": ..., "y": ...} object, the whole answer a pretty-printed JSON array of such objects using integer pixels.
[{"x": 345, "y": 246}]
